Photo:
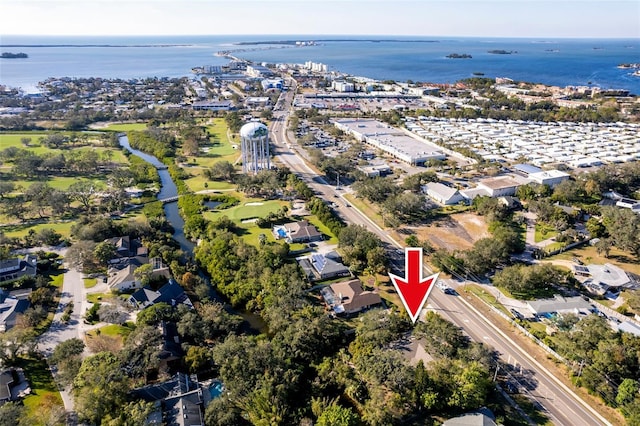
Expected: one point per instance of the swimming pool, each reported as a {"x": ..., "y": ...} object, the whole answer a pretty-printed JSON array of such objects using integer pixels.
[{"x": 216, "y": 389}]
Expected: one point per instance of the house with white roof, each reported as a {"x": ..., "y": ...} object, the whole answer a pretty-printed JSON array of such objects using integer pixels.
[
  {"x": 442, "y": 194},
  {"x": 559, "y": 304},
  {"x": 603, "y": 278}
]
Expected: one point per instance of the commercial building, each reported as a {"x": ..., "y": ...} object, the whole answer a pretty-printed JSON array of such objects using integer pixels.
[
  {"x": 391, "y": 140},
  {"x": 499, "y": 186},
  {"x": 549, "y": 177},
  {"x": 559, "y": 304},
  {"x": 442, "y": 194}
]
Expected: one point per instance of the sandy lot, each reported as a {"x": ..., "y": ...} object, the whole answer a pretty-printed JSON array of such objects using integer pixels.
[{"x": 455, "y": 232}]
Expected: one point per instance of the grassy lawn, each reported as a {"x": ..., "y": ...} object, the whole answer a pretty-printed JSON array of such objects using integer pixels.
[
  {"x": 90, "y": 282},
  {"x": 114, "y": 330},
  {"x": 44, "y": 392},
  {"x": 197, "y": 183},
  {"x": 486, "y": 297},
  {"x": 219, "y": 148},
  {"x": 243, "y": 211},
  {"x": 125, "y": 127},
  {"x": 57, "y": 280},
  {"x": 588, "y": 254},
  {"x": 366, "y": 208},
  {"x": 20, "y": 230},
  {"x": 544, "y": 232},
  {"x": 59, "y": 182},
  {"x": 99, "y": 297}
]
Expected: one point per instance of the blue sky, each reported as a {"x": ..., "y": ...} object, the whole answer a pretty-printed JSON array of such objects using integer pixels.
[{"x": 501, "y": 18}]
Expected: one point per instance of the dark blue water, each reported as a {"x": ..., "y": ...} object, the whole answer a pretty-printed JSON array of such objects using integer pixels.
[{"x": 558, "y": 62}]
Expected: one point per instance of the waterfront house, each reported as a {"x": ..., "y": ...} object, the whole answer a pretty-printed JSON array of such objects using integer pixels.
[{"x": 171, "y": 293}]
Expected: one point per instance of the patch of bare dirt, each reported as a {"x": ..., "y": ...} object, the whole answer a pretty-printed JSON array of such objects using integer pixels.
[{"x": 455, "y": 232}]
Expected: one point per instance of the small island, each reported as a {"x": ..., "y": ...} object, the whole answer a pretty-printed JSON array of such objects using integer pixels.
[
  {"x": 459, "y": 56},
  {"x": 501, "y": 52},
  {"x": 9, "y": 55}
]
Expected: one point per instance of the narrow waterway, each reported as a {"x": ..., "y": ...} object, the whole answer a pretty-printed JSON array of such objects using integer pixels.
[{"x": 169, "y": 190}]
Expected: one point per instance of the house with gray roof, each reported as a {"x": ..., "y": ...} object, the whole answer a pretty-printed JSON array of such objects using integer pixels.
[
  {"x": 603, "y": 278},
  {"x": 10, "y": 307},
  {"x": 323, "y": 266},
  {"x": 171, "y": 293},
  {"x": 15, "y": 268},
  {"x": 559, "y": 304},
  {"x": 179, "y": 401},
  {"x": 297, "y": 232}
]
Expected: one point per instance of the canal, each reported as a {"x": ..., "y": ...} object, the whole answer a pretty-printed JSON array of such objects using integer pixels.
[{"x": 168, "y": 190}]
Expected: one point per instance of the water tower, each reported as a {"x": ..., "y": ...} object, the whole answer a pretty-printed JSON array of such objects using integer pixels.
[{"x": 254, "y": 138}]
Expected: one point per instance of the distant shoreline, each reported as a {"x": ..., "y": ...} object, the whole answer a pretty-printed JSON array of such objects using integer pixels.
[
  {"x": 96, "y": 45},
  {"x": 242, "y": 43}
]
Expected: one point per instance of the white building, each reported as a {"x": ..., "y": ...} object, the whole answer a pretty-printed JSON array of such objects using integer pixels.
[
  {"x": 549, "y": 177},
  {"x": 342, "y": 86},
  {"x": 442, "y": 194},
  {"x": 391, "y": 140}
]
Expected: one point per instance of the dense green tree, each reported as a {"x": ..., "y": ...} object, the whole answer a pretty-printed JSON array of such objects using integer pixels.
[
  {"x": 337, "y": 415},
  {"x": 100, "y": 387}
]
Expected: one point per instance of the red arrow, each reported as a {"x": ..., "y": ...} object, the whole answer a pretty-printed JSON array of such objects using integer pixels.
[{"x": 413, "y": 289}]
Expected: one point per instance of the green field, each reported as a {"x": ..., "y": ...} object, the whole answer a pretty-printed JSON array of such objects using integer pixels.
[
  {"x": 243, "y": 211},
  {"x": 90, "y": 282},
  {"x": 124, "y": 127},
  {"x": 62, "y": 182},
  {"x": 219, "y": 148},
  {"x": 20, "y": 230}
]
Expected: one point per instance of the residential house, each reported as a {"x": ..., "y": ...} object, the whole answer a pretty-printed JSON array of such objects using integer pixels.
[
  {"x": 297, "y": 232},
  {"x": 177, "y": 402},
  {"x": 603, "y": 278},
  {"x": 10, "y": 307},
  {"x": 12, "y": 269},
  {"x": 348, "y": 297},
  {"x": 121, "y": 273},
  {"x": 13, "y": 385},
  {"x": 483, "y": 417},
  {"x": 171, "y": 293},
  {"x": 442, "y": 194},
  {"x": 323, "y": 266},
  {"x": 559, "y": 304}
]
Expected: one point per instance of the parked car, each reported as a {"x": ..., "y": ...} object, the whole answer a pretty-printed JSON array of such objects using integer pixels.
[{"x": 516, "y": 314}]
